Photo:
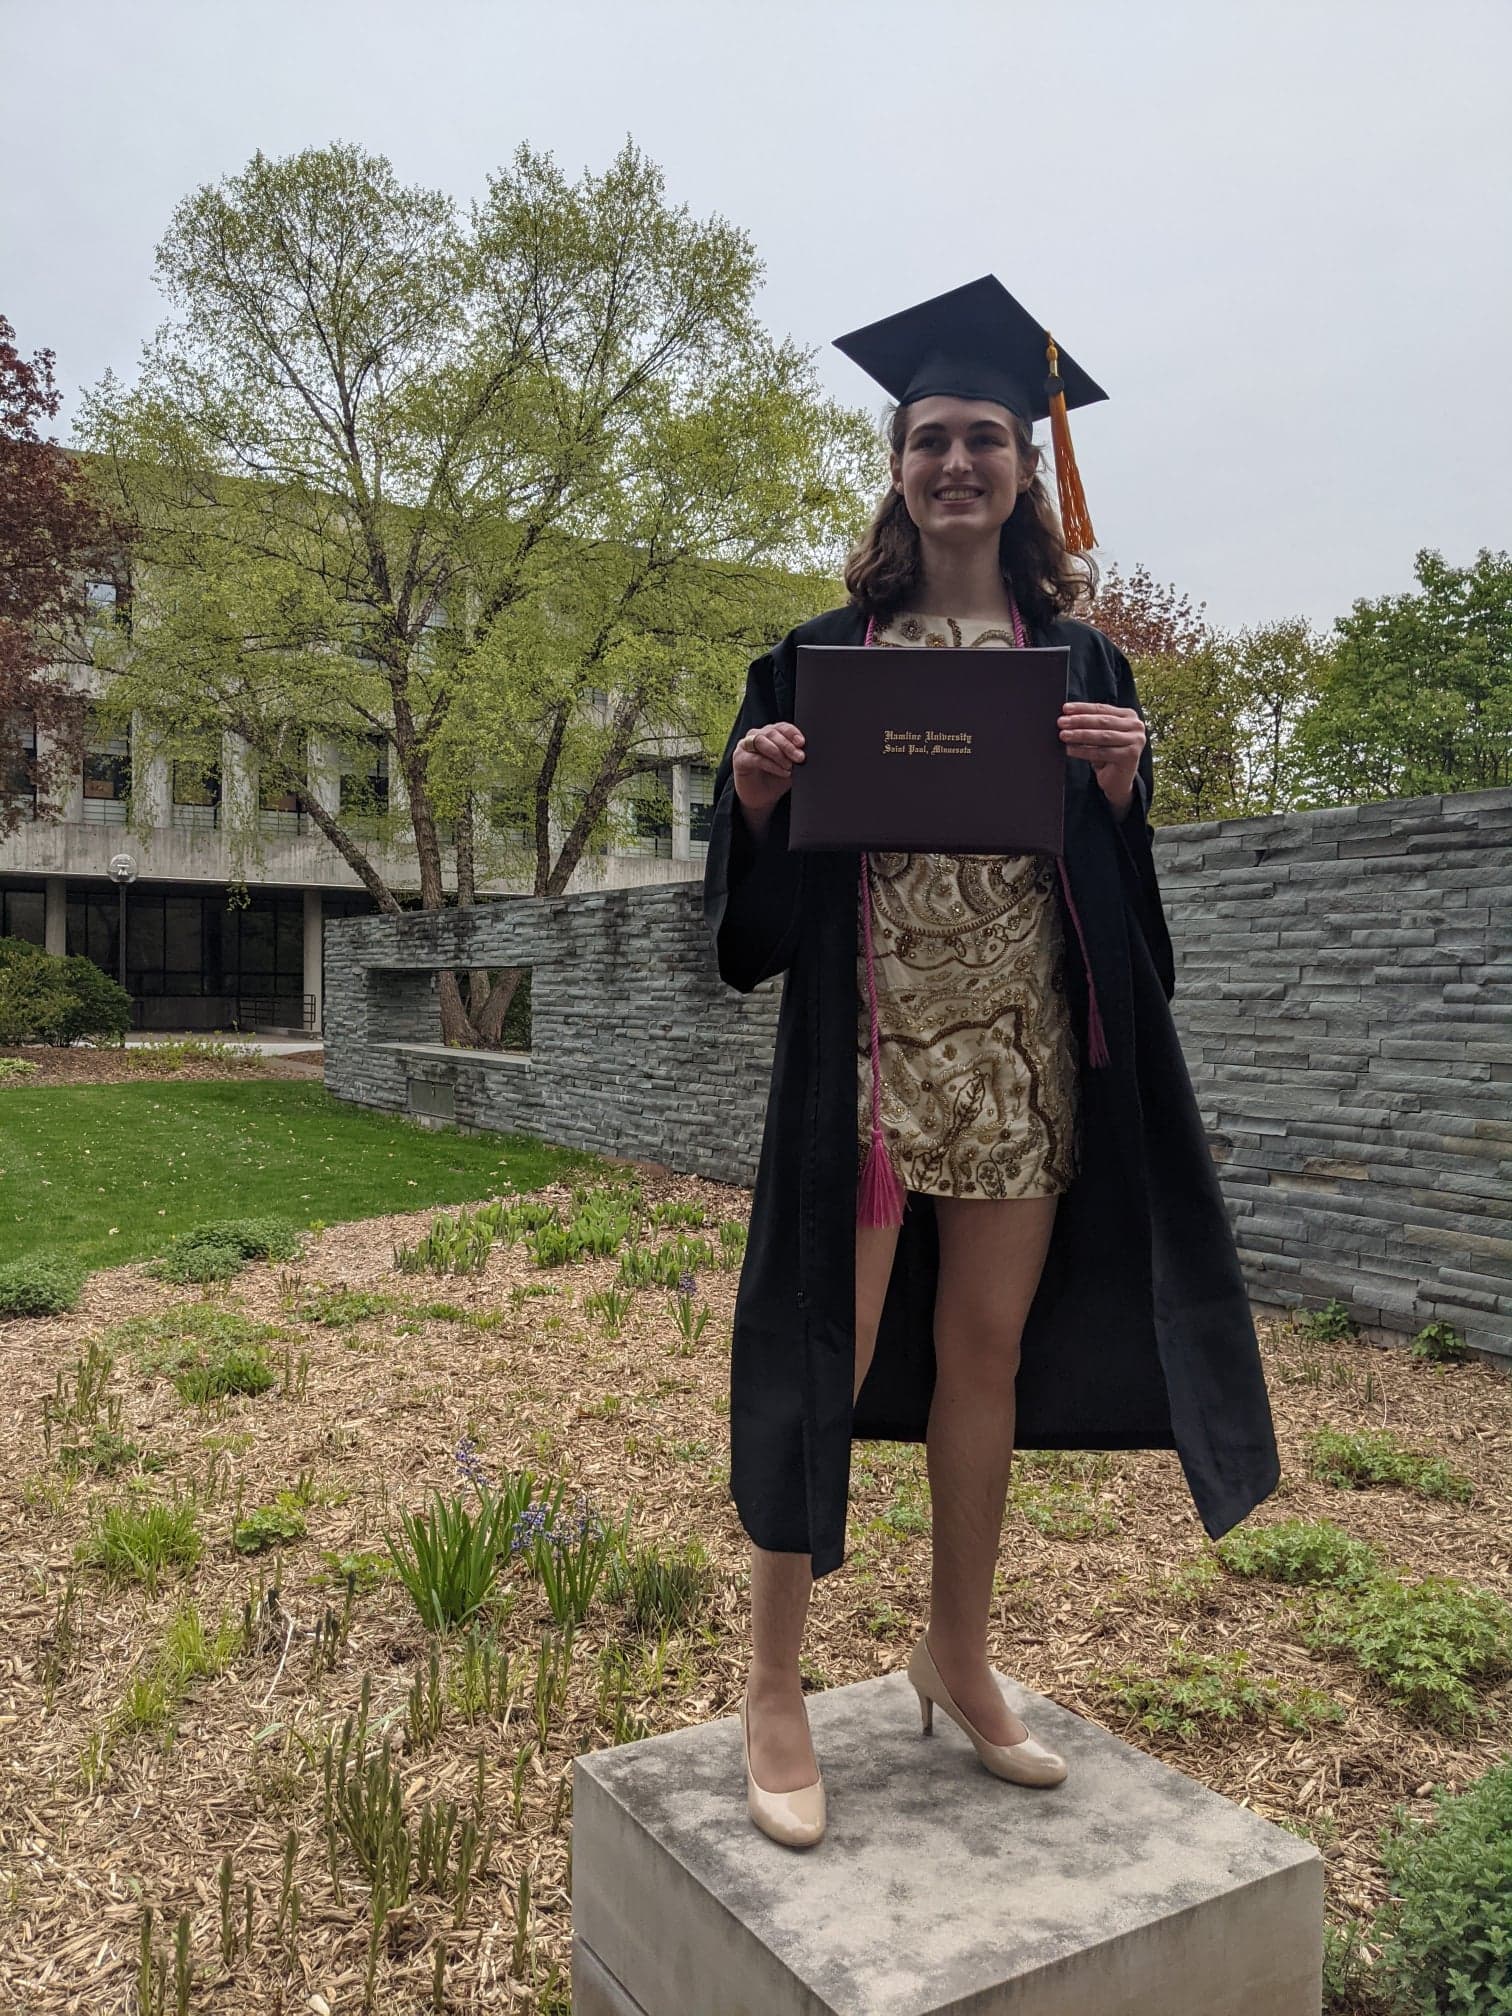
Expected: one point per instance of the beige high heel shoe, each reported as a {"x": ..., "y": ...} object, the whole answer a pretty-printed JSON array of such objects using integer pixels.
[
  {"x": 1025, "y": 1763},
  {"x": 796, "y": 1819}
]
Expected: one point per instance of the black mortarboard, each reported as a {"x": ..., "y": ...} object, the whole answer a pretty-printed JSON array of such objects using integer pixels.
[{"x": 977, "y": 342}]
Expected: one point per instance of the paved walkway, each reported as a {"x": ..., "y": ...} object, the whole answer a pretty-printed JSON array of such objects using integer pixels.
[{"x": 267, "y": 1046}]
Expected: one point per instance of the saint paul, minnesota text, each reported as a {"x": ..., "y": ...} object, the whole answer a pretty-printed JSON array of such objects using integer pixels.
[{"x": 926, "y": 741}]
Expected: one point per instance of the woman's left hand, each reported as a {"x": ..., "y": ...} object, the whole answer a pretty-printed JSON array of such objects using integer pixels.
[{"x": 1111, "y": 739}]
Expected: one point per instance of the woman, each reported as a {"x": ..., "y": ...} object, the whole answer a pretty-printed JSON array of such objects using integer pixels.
[{"x": 996, "y": 1031}]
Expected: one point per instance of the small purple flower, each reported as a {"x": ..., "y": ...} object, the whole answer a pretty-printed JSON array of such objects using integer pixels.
[
  {"x": 687, "y": 1282},
  {"x": 528, "y": 1528},
  {"x": 470, "y": 1463}
]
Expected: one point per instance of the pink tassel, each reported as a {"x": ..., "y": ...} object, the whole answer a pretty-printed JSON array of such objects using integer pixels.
[{"x": 880, "y": 1195}]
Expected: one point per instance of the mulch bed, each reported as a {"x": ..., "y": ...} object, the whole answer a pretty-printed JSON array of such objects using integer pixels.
[
  {"x": 81, "y": 1065},
  {"x": 385, "y": 1403}
]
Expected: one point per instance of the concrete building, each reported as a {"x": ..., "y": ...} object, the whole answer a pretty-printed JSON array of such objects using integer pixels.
[{"x": 221, "y": 934}]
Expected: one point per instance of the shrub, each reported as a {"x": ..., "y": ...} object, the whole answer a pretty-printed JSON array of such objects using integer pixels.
[
  {"x": 100, "y": 1009},
  {"x": 51, "y": 1000},
  {"x": 40, "y": 1285},
  {"x": 193, "y": 1262},
  {"x": 1441, "y": 1344},
  {"x": 221, "y": 1248},
  {"x": 1197, "y": 1690},
  {"x": 14, "y": 1068},
  {"x": 1374, "y": 1456},
  {"x": 1329, "y": 1325},
  {"x": 267, "y": 1526},
  {"x": 132, "y": 1543},
  {"x": 1428, "y": 1644},
  {"x": 28, "y": 1006},
  {"x": 33, "y": 996},
  {"x": 1447, "y": 1931},
  {"x": 1299, "y": 1550}
]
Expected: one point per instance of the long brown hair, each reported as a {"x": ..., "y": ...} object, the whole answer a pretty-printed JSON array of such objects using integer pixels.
[{"x": 1047, "y": 581}]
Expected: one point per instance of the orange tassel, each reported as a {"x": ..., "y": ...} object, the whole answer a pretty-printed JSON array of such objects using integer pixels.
[{"x": 1075, "y": 519}]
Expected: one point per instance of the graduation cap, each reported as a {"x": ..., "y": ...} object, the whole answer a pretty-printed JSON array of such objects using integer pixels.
[{"x": 977, "y": 342}]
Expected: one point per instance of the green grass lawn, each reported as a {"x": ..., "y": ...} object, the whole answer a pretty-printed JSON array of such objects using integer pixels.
[{"x": 103, "y": 1174}]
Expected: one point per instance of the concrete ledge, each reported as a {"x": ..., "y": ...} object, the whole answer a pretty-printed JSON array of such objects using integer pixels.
[
  {"x": 444, "y": 1053},
  {"x": 1131, "y": 1890}
]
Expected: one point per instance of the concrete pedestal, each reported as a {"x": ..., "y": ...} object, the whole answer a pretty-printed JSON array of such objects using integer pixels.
[{"x": 1129, "y": 1890}]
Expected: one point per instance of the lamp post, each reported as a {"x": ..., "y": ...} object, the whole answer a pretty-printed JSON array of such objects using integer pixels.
[{"x": 123, "y": 872}]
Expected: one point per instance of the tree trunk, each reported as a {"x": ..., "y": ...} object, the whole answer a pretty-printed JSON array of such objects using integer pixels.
[
  {"x": 456, "y": 1028},
  {"x": 490, "y": 1020},
  {"x": 467, "y": 893}
]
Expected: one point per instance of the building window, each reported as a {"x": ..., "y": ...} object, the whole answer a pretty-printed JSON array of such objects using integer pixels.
[
  {"x": 365, "y": 786},
  {"x": 23, "y": 914},
  {"x": 196, "y": 795},
  {"x": 109, "y": 596},
  {"x": 18, "y": 767},
  {"x": 182, "y": 942},
  {"x": 651, "y": 817},
  {"x": 700, "y": 809},
  {"x": 278, "y": 808},
  {"x": 512, "y": 819},
  {"x": 107, "y": 777}
]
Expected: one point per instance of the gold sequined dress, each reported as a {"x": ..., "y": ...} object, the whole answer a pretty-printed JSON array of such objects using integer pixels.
[{"x": 979, "y": 1057}]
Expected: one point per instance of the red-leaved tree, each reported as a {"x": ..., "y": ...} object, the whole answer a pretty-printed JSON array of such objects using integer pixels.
[
  {"x": 1147, "y": 619},
  {"x": 53, "y": 531}
]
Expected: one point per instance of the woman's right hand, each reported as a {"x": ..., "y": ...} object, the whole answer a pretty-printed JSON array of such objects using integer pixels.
[{"x": 762, "y": 765}]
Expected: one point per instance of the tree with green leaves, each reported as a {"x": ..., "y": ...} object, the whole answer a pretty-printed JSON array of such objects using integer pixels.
[
  {"x": 510, "y": 498},
  {"x": 1418, "y": 696},
  {"x": 1223, "y": 707}
]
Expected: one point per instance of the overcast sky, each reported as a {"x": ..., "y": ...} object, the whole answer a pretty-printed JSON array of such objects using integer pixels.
[{"x": 1278, "y": 234}]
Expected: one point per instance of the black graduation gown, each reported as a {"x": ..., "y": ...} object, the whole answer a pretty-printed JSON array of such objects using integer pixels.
[{"x": 1140, "y": 1334}]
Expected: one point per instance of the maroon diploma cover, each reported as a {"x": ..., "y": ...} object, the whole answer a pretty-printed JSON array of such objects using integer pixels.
[{"x": 938, "y": 751}]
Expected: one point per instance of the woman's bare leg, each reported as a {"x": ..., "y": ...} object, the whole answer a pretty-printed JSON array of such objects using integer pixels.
[
  {"x": 992, "y": 1252},
  {"x": 782, "y": 1751}
]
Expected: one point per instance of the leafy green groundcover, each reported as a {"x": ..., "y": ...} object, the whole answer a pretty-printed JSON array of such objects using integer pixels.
[
  {"x": 103, "y": 1174},
  {"x": 1447, "y": 1931}
]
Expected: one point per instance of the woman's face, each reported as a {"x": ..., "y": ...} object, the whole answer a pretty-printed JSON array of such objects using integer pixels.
[{"x": 959, "y": 471}]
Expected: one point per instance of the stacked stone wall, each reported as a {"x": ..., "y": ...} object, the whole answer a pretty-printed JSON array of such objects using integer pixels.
[{"x": 1343, "y": 994}]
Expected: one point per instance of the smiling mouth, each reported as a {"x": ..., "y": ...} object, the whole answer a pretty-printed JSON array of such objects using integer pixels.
[{"x": 957, "y": 494}]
